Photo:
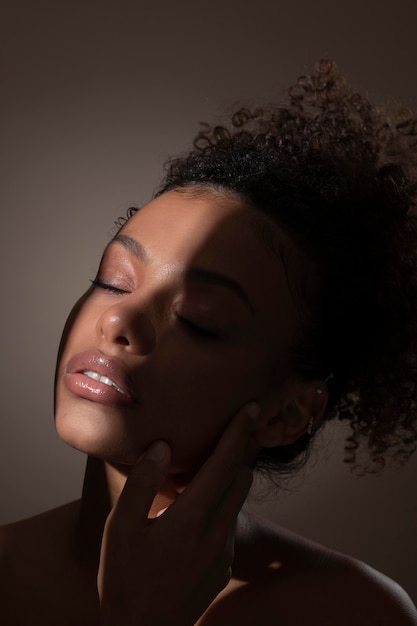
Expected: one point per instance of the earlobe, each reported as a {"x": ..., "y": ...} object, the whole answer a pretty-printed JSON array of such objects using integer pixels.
[{"x": 299, "y": 413}]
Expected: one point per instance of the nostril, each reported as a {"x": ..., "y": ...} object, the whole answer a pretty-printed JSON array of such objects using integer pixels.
[
  {"x": 128, "y": 329},
  {"x": 123, "y": 341}
]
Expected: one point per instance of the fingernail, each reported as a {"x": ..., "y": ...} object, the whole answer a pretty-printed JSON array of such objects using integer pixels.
[
  {"x": 161, "y": 512},
  {"x": 253, "y": 410},
  {"x": 157, "y": 451}
]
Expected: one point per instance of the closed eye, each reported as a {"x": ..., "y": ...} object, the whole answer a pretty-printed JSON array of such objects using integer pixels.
[
  {"x": 195, "y": 329},
  {"x": 107, "y": 287}
]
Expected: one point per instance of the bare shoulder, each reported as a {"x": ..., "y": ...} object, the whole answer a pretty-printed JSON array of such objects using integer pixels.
[
  {"x": 32, "y": 534},
  {"x": 29, "y": 551},
  {"x": 333, "y": 587},
  {"x": 374, "y": 595},
  {"x": 346, "y": 591},
  {"x": 281, "y": 579}
]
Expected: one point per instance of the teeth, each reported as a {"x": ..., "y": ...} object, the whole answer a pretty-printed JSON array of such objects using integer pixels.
[{"x": 102, "y": 379}]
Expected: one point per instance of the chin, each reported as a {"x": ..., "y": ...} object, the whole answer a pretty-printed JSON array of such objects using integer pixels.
[
  {"x": 96, "y": 437},
  {"x": 114, "y": 436}
]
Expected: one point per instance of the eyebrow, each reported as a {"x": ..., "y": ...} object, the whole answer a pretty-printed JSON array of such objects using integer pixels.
[
  {"x": 195, "y": 274},
  {"x": 216, "y": 278},
  {"x": 131, "y": 245}
]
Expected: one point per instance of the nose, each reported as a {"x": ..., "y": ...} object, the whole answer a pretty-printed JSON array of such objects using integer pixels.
[{"x": 128, "y": 326}]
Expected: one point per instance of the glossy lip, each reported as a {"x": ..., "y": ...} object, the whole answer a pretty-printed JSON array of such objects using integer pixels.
[{"x": 85, "y": 387}]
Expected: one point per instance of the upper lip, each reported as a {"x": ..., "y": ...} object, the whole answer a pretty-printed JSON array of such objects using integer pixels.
[{"x": 96, "y": 361}]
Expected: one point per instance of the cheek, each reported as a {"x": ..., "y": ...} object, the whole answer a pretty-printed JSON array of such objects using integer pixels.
[
  {"x": 80, "y": 323},
  {"x": 77, "y": 335},
  {"x": 200, "y": 379},
  {"x": 196, "y": 400}
]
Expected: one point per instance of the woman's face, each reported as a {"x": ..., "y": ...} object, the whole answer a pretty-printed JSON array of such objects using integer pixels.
[{"x": 189, "y": 318}]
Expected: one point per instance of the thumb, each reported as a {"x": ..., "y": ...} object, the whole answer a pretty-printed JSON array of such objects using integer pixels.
[{"x": 144, "y": 480}]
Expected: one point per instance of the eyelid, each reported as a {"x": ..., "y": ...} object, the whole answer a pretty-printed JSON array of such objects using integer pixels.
[
  {"x": 197, "y": 328},
  {"x": 100, "y": 284}
]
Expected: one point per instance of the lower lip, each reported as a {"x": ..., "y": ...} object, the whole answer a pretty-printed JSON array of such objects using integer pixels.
[{"x": 85, "y": 387}]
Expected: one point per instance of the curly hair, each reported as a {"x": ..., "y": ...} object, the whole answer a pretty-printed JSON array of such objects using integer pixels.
[{"x": 339, "y": 177}]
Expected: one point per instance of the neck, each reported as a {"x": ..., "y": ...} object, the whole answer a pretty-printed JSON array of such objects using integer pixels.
[
  {"x": 103, "y": 484},
  {"x": 94, "y": 509}
]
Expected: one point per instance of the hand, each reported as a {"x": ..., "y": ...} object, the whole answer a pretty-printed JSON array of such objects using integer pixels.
[{"x": 166, "y": 571}]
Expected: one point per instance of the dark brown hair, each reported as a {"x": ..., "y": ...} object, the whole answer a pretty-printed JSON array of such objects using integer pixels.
[{"x": 339, "y": 177}]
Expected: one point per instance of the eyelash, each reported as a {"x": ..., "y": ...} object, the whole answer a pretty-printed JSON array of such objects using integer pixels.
[
  {"x": 192, "y": 328},
  {"x": 106, "y": 287},
  {"x": 197, "y": 330}
]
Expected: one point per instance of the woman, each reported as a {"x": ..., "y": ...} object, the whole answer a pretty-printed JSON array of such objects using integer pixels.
[{"x": 268, "y": 287}]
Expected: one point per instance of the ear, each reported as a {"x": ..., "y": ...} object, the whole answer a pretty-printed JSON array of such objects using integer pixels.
[{"x": 287, "y": 419}]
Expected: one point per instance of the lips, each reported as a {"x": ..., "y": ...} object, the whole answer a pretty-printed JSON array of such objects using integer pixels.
[{"x": 96, "y": 377}]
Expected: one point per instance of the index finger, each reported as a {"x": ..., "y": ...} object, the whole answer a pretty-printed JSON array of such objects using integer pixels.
[{"x": 143, "y": 483}]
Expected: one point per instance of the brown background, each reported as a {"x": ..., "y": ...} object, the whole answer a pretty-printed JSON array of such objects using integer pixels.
[{"x": 94, "y": 96}]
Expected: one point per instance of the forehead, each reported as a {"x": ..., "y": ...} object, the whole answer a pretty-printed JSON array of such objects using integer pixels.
[
  {"x": 182, "y": 231},
  {"x": 185, "y": 227}
]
